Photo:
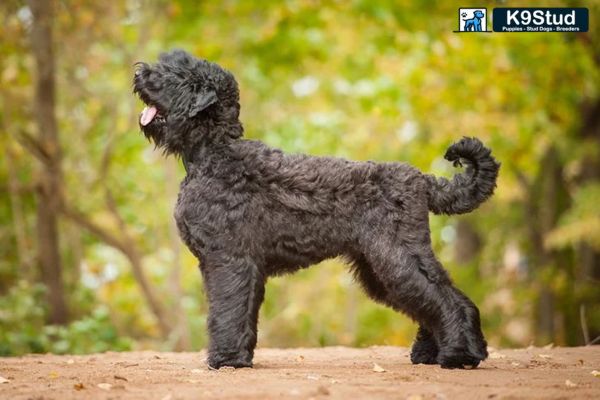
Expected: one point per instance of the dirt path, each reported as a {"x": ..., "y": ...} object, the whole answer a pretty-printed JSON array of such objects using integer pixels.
[{"x": 327, "y": 373}]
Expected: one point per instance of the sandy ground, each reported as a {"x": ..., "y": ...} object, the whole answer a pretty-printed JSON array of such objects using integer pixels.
[{"x": 322, "y": 373}]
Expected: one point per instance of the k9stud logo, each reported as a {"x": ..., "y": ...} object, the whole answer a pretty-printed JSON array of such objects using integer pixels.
[
  {"x": 472, "y": 20},
  {"x": 524, "y": 19}
]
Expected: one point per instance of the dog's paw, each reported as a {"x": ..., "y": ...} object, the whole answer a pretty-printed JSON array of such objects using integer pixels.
[
  {"x": 423, "y": 356},
  {"x": 216, "y": 361},
  {"x": 458, "y": 362},
  {"x": 460, "y": 359},
  {"x": 424, "y": 351}
]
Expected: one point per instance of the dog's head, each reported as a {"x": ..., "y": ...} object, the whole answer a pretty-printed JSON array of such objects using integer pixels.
[
  {"x": 478, "y": 14},
  {"x": 188, "y": 101}
]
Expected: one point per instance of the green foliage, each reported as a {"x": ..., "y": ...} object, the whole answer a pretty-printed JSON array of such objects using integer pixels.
[
  {"x": 23, "y": 329},
  {"x": 22, "y": 320},
  {"x": 581, "y": 223},
  {"x": 94, "y": 333}
]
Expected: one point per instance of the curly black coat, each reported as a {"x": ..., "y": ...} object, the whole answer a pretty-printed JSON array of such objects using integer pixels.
[{"x": 248, "y": 211}]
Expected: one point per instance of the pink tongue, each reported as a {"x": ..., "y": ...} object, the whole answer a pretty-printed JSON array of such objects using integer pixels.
[{"x": 148, "y": 115}]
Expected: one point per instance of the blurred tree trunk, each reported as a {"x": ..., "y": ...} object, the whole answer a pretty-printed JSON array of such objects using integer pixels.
[
  {"x": 26, "y": 261},
  {"x": 546, "y": 189},
  {"x": 547, "y": 199},
  {"x": 589, "y": 258},
  {"x": 467, "y": 244},
  {"x": 49, "y": 174}
]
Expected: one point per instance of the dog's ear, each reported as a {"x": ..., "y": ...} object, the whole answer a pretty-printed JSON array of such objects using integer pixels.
[{"x": 203, "y": 100}]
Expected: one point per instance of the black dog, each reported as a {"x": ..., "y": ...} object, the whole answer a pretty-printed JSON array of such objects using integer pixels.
[{"x": 248, "y": 212}]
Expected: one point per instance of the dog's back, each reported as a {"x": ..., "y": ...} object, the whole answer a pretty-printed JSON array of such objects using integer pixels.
[{"x": 294, "y": 209}]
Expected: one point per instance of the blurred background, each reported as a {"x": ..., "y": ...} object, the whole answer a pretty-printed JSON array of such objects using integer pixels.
[{"x": 90, "y": 259}]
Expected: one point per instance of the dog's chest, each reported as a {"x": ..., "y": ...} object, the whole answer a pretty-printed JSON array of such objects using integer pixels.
[{"x": 209, "y": 205}]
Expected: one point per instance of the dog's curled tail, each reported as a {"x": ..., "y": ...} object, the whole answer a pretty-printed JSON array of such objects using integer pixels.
[{"x": 466, "y": 191}]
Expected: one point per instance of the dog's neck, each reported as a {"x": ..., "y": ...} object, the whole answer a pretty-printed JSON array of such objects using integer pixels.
[{"x": 211, "y": 138}]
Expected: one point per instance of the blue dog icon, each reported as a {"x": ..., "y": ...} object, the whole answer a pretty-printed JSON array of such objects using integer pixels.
[{"x": 473, "y": 24}]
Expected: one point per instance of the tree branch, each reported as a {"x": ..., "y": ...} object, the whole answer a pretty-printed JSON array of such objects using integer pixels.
[{"x": 126, "y": 246}]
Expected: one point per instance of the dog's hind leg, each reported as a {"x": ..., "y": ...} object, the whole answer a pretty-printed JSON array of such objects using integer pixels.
[
  {"x": 235, "y": 289},
  {"x": 459, "y": 337},
  {"x": 424, "y": 349},
  {"x": 418, "y": 285}
]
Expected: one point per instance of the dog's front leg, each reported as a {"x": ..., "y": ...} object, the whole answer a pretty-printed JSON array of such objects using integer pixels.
[{"x": 235, "y": 289}]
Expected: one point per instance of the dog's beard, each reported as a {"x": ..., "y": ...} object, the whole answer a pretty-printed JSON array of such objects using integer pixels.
[{"x": 154, "y": 130}]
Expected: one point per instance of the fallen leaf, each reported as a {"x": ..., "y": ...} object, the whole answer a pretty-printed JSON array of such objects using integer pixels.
[
  {"x": 515, "y": 364},
  {"x": 549, "y": 346},
  {"x": 78, "y": 386},
  {"x": 121, "y": 378},
  {"x": 546, "y": 356},
  {"x": 196, "y": 371},
  {"x": 570, "y": 383},
  {"x": 595, "y": 373},
  {"x": 157, "y": 357},
  {"x": 4, "y": 380},
  {"x": 53, "y": 374},
  {"x": 104, "y": 386},
  {"x": 378, "y": 368},
  {"x": 312, "y": 377},
  {"x": 300, "y": 358},
  {"x": 323, "y": 390},
  {"x": 496, "y": 355}
]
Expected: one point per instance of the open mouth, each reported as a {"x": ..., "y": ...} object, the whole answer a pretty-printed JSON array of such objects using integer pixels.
[{"x": 150, "y": 113}]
